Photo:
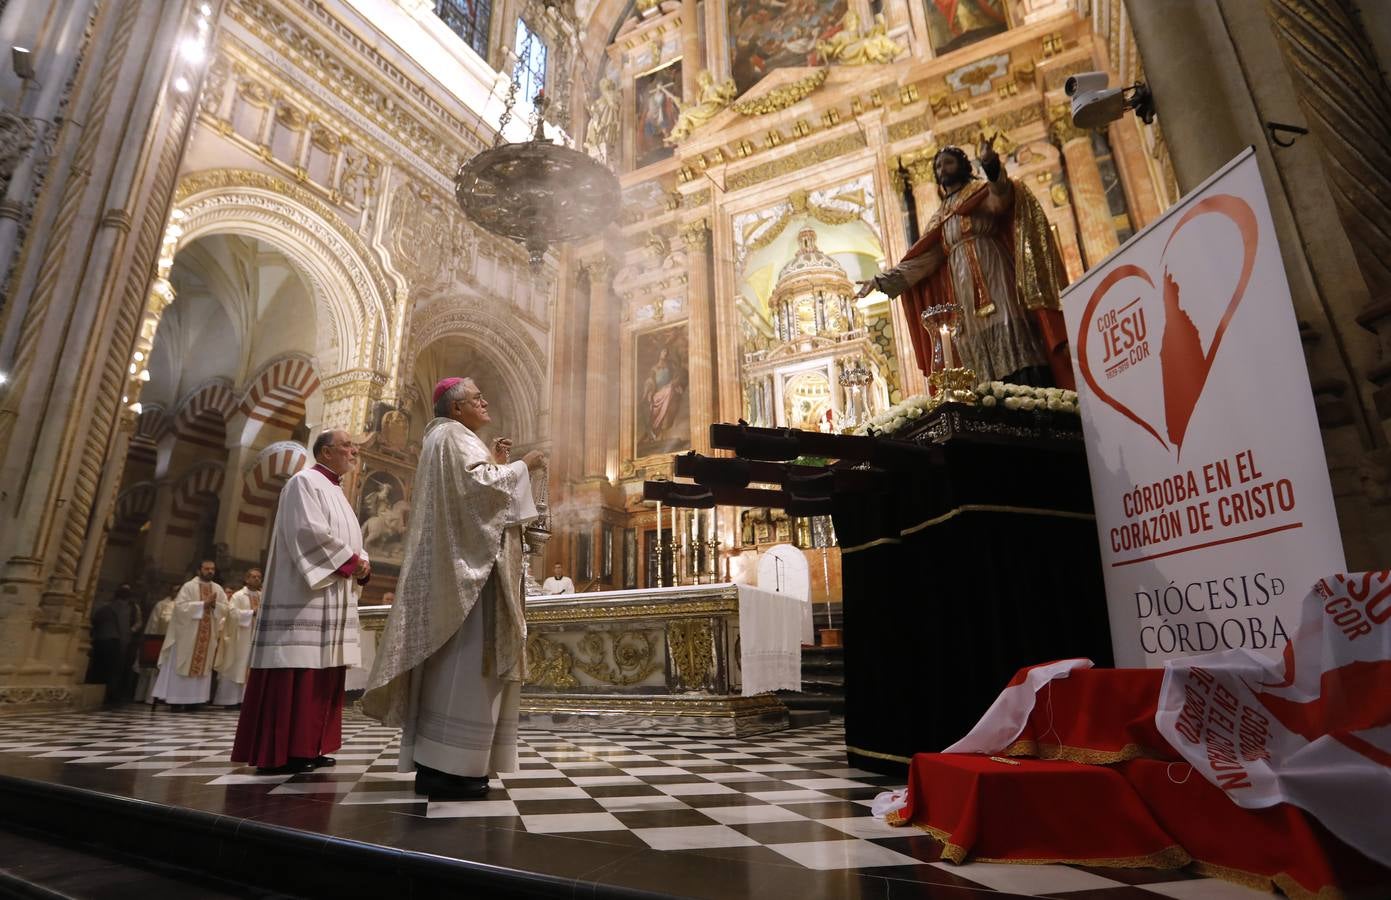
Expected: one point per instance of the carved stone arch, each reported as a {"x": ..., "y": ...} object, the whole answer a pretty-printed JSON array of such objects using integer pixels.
[
  {"x": 275, "y": 396},
  {"x": 202, "y": 415},
  {"x": 133, "y": 508},
  {"x": 514, "y": 352},
  {"x": 343, "y": 275},
  {"x": 268, "y": 474},
  {"x": 191, "y": 493}
]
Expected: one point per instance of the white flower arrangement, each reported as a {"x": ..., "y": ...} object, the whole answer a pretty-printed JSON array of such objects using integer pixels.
[{"x": 989, "y": 394}]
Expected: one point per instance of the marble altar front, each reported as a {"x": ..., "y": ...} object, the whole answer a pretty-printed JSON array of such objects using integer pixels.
[{"x": 672, "y": 659}]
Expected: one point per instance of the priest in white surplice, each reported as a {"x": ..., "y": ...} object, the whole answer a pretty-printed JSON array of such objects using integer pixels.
[
  {"x": 234, "y": 650},
  {"x": 306, "y": 629},
  {"x": 451, "y": 660},
  {"x": 186, "y": 660}
]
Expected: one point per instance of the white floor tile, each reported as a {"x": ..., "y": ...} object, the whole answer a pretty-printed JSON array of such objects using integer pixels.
[
  {"x": 792, "y": 796},
  {"x": 754, "y": 812},
  {"x": 693, "y": 837},
  {"x": 653, "y": 770},
  {"x": 701, "y": 788},
  {"x": 1206, "y": 889},
  {"x": 1029, "y": 879},
  {"x": 867, "y": 827},
  {"x": 370, "y": 798},
  {"x": 470, "y": 809},
  {"x": 825, "y": 783},
  {"x": 315, "y": 787},
  {"x": 597, "y": 780},
  {"x": 251, "y": 779},
  {"x": 547, "y": 793},
  {"x": 561, "y": 823},
  {"x": 639, "y": 804},
  {"x": 847, "y": 854}
]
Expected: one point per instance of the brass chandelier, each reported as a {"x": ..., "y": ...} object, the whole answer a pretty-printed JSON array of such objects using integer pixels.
[{"x": 536, "y": 192}]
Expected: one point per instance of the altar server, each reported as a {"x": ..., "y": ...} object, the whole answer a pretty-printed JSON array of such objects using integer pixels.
[
  {"x": 186, "y": 660},
  {"x": 234, "y": 651},
  {"x": 306, "y": 628},
  {"x": 451, "y": 660},
  {"x": 147, "y": 661}
]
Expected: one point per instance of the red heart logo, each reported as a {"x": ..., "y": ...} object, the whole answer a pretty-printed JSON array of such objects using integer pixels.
[{"x": 1184, "y": 365}]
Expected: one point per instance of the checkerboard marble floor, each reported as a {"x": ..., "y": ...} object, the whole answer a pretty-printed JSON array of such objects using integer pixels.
[{"x": 775, "y": 804}]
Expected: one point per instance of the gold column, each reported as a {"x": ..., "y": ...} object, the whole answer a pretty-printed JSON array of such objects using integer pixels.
[
  {"x": 348, "y": 399},
  {"x": 1132, "y": 162},
  {"x": 926, "y": 202},
  {"x": 1084, "y": 184},
  {"x": 597, "y": 379},
  {"x": 691, "y": 62},
  {"x": 700, "y": 327}
]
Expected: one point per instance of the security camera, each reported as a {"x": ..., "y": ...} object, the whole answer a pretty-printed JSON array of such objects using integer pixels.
[
  {"x": 1085, "y": 83},
  {"x": 22, "y": 61},
  {"x": 1095, "y": 105}
]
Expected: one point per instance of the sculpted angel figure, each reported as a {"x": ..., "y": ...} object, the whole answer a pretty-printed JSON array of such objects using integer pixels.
[
  {"x": 849, "y": 47},
  {"x": 710, "y": 102}
]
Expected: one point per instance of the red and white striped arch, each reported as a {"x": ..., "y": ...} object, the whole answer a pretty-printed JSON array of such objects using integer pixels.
[
  {"x": 149, "y": 428},
  {"x": 202, "y": 418},
  {"x": 261, "y": 489},
  {"x": 133, "y": 508},
  {"x": 199, "y": 486},
  {"x": 278, "y": 393}
]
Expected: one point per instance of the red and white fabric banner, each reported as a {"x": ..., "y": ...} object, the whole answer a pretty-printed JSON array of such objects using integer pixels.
[
  {"x": 1004, "y": 721},
  {"x": 1312, "y": 729}
]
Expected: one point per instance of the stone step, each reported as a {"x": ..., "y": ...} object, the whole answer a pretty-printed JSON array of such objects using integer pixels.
[
  {"x": 825, "y": 702},
  {"x": 801, "y": 718},
  {"x": 823, "y": 685}
]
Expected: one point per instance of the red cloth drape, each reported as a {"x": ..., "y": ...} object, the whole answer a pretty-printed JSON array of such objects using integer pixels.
[
  {"x": 289, "y": 713},
  {"x": 1096, "y": 716},
  {"x": 150, "y": 646},
  {"x": 1112, "y": 791},
  {"x": 1032, "y": 810}
]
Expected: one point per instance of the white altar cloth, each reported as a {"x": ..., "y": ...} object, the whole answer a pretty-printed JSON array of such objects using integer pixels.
[{"x": 770, "y": 640}]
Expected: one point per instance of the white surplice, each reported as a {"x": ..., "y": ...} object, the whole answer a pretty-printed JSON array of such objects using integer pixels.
[
  {"x": 308, "y": 615},
  {"x": 157, "y": 625},
  {"x": 190, "y": 645},
  {"x": 234, "y": 650},
  {"x": 451, "y": 660}
]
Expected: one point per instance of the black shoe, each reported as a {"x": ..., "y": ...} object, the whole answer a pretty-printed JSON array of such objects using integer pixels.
[
  {"x": 439, "y": 785},
  {"x": 323, "y": 762}
]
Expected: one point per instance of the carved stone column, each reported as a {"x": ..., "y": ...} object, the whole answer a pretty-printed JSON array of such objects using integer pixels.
[
  {"x": 76, "y": 296},
  {"x": 1338, "y": 79},
  {"x": 600, "y": 388},
  {"x": 348, "y": 399},
  {"x": 700, "y": 325},
  {"x": 1094, "y": 222}
]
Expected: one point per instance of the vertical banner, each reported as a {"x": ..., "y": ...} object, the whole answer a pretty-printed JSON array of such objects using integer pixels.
[{"x": 1213, "y": 503}]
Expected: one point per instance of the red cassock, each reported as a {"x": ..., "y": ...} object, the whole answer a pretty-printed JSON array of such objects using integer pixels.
[{"x": 290, "y": 713}]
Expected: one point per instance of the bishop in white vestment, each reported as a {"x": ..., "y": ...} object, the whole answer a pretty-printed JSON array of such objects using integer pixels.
[
  {"x": 306, "y": 629},
  {"x": 186, "y": 660},
  {"x": 451, "y": 661},
  {"x": 234, "y": 650}
]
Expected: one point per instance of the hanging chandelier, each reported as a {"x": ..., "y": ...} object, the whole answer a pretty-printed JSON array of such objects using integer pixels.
[{"x": 537, "y": 192}]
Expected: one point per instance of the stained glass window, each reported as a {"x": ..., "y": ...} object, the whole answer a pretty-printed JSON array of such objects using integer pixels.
[
  {"x": 468, "y": 19},
  {"x": 531, "y": 64}
]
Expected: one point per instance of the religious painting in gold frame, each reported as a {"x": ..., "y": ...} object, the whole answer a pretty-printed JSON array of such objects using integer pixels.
[
  {"x": 772, "y": 34},
  {"x": 658, "y": 96},
  {"x": 953, "y": 24},
  {"x": 662, "y": 417}
]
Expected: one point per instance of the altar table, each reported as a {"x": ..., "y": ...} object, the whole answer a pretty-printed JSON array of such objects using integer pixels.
[{"x": 699, "y": 660}]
